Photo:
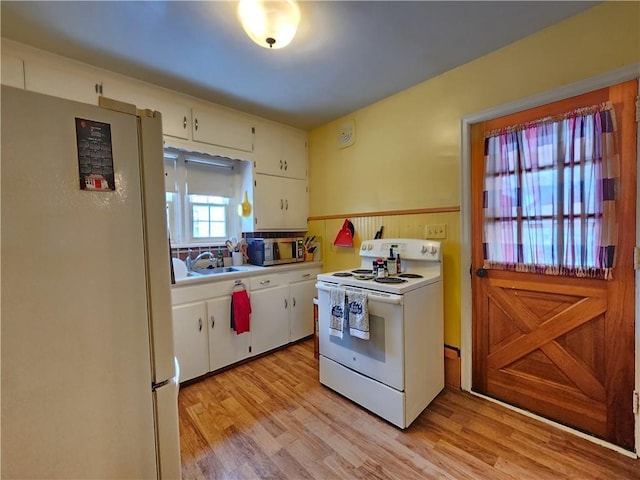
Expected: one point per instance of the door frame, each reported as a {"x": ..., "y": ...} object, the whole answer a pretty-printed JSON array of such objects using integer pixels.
[{"x": 613, "y": 77}]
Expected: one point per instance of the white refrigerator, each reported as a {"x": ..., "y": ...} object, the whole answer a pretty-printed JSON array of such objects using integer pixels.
[{"x": 89, "y": 387}]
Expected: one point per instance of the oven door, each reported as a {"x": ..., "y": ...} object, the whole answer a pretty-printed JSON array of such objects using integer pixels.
[{"x": 380, "y": 357}]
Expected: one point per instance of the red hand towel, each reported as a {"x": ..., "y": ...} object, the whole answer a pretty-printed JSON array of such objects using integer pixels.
[{"x": 241, "y": 311}]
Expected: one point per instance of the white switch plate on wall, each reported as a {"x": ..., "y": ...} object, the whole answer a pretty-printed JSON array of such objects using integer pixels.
[{"x": 436, "y": 230}]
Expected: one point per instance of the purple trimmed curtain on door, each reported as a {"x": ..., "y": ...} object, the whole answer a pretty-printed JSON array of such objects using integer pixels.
[{"x": 549, "y": 195}]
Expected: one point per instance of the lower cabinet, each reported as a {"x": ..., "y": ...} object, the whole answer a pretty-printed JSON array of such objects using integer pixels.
[
  {"x": 203, "y": 339},
  {"x": 270, "y": 313},
  {"x": 225, "y": 345},
  {"x": 190, "y": 340},
  {"x": 282, "y": 312},
  {"x": 301, "y": 315}
]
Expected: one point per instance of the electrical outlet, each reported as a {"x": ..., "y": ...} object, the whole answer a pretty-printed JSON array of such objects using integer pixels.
[{"x": 436, "y": 231}]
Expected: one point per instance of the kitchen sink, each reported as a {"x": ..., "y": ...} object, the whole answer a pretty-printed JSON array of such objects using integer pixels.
[{"x": 196, "y": 272}]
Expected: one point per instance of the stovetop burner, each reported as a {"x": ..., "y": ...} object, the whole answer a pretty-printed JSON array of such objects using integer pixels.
[
  {"x": 342, "y": 274},
  {"x": 390, "y": 280},
  {"x": 362, "y": 271},
  {"x": 410, "y": 275},
  {"x": 363, "y": 277}
]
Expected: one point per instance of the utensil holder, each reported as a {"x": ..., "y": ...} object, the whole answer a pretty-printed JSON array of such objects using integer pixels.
[{"x": 237, "y": 258}]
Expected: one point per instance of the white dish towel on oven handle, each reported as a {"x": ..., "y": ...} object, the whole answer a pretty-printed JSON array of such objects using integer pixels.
[
  {"x": 358, "y": 315},
  {"x": 336, "y": 311}
]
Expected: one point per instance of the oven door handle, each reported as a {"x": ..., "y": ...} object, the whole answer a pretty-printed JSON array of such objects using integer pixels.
[{"x": 371, "y": 297}]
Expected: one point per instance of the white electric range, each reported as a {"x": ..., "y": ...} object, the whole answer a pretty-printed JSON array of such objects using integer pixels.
[{"x": 400, "y": 368}]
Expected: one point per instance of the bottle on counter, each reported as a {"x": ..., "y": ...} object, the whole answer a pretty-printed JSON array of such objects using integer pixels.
[
  {"x": 391, "y": 264},
  {"x": 398, "y": 264},
  {"x": 382, "y": 271}
]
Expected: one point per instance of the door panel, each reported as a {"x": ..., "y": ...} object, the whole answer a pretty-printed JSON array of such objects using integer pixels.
[{"x": 562, "y": 347}]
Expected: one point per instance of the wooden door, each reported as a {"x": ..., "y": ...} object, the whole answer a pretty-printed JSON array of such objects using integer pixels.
[{"x": 562, "y": 347}]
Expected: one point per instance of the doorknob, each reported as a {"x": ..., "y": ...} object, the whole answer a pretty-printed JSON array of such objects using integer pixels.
[{"x": 482, "y": 272}]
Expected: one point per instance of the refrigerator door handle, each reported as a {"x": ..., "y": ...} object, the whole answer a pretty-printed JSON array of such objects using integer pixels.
[{"x": 155, "y": 386}]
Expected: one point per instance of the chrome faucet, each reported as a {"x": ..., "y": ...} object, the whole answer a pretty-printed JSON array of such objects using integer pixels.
[{"x": 192, "y": 262}]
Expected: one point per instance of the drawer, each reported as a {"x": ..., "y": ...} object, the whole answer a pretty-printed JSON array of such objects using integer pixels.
[
  {"x": 301, "y": 275},
  {"x": 266, "y": 281},
  {"x": 204, "y": 291}
]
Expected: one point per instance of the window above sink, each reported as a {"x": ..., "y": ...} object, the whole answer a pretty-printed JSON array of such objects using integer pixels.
[{"x": 202, "y": 197}]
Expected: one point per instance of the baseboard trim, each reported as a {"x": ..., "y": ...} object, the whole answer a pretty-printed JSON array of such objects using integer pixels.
[{"x": 452, "y": 366}]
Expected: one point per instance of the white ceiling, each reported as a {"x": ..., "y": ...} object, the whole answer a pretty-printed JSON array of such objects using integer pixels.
[{"x": 346, "y": 54}]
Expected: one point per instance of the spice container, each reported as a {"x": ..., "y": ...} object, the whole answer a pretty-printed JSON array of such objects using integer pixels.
[{"x": 382, "y": 271}]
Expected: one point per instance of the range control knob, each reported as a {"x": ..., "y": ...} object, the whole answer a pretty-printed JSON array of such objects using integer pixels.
[
  {"x": 369, "y": 247},
  {"x": 363, "y": 246},
  {"x": 430, "y": 249}
]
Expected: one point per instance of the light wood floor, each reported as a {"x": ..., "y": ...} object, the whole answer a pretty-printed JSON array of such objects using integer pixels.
[{"x": 271, "y": 418}]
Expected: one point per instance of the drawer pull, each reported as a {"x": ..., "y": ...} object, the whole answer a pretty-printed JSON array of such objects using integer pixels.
[
  {"x": 213, "y": 321},
  {"x": 200, "y": 324},
  {"x": 265, "y": 282}
]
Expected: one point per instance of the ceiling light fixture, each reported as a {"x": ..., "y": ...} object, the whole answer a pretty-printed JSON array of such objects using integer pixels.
[{"x": 269, "y": 23}]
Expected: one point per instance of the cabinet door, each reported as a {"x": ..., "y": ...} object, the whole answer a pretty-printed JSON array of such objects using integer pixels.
[
  {"x": 12, "y": 71},
  {"x": 219, "y": 128},
  {"x": 269, "y": 319},
  {"x": 296, "y": 211},
  {"x": 64, "y": 80},
  {"x": 268, "y": 145},
  {"x": 268, "y": 203},
  {"x": 176, "y": 115},
  {"x": 280, "y": 151},
  {"x": 190, "y": 339},
  {"x": 301, "y": 299},
  {"x": 225, "y": 345},
  {"x": 280, "y": 203},
  {"x": 294, "y": 154}
]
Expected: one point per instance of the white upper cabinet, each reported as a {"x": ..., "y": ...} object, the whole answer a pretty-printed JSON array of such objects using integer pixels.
[
  {"x": 62, "y": 79},
  {"x": 12, "y": 71},
  {"x": 278, "y": 204},
  {"x": 277, "y": 182},
  {"x": 280, "y": 151},
  {"x": 176, "y": 113},
  {"x": 222, "y": 129}
]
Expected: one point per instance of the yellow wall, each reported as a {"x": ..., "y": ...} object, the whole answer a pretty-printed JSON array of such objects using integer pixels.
[{"x": 407, "y": 149}]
